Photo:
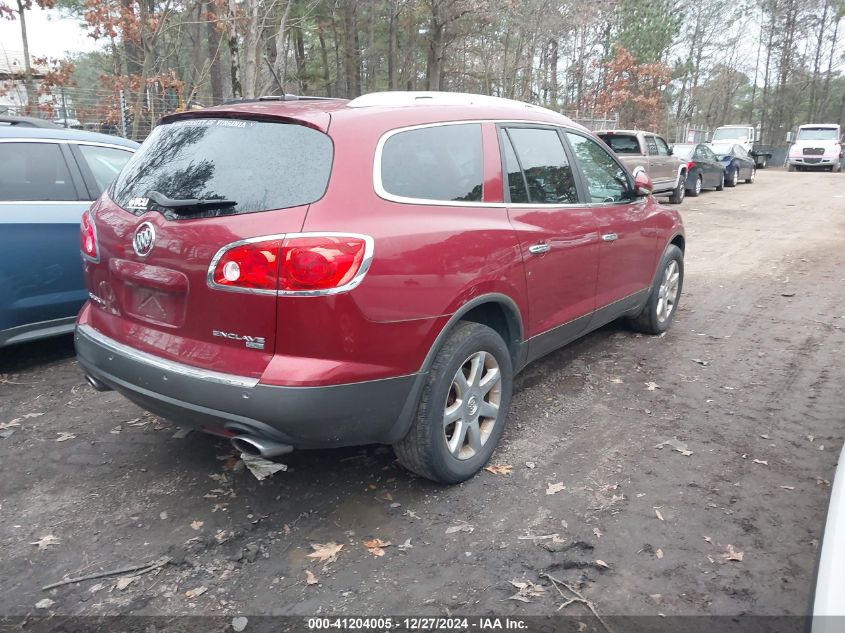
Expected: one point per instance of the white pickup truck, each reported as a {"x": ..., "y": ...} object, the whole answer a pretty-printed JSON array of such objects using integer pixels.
[{"x": 747, "y": 137}]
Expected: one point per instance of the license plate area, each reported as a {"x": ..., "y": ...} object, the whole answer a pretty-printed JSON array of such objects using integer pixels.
[{"x": 155, "y": 306}]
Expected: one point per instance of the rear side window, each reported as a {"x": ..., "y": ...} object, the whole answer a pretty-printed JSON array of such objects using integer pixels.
[
  {"x": 257, "y": 164},
  {"x": 545, "y": 165},
  {"x": 622, "y": 143},
  {"x": 34, "y": 172},
  {"x": 443, "y": 163},
  {"x": 105, "y": 163}
]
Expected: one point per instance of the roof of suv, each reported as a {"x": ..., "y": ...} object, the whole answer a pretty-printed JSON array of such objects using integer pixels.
[
  {"x": 397, "y": 108},
  {"x": 62, "y": 134}
]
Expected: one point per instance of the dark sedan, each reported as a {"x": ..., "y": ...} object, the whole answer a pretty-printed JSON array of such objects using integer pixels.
[
  {"x": 737, "y": 162},
  {"x": 703, "y": 167}
]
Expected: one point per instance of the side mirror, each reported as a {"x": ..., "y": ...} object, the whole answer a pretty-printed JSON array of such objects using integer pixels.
[
  {"x": 671, "y": 150},
  {"x": 642, "y": 184}
]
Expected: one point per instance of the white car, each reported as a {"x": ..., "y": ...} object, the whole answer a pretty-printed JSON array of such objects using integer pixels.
[{"x": 829, "y": 604}]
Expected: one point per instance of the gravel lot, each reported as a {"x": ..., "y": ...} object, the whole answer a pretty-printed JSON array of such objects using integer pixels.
[{"x": 749, "y": 381}]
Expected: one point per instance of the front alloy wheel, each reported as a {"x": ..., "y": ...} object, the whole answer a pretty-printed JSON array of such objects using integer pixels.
[{"x": 667, "y": 294}]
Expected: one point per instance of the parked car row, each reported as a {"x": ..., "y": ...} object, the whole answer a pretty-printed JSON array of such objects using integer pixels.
[{"x": 682, "y": 169}]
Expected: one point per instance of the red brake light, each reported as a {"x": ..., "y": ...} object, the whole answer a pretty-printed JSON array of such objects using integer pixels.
[
  {"x": 691, "y": 164},
  {"x": 249, "y": 266},
  {"x": 88, "y": 238},
  {"x": 315, "y": 263}
]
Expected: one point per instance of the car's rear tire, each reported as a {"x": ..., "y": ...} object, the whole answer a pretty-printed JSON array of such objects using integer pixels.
[
  {"x": 679, "y": 192},
  {"x": 450, "y": 438},
  {"x": 791, "y": 168},
  {"x": 750, "y": 179},
  {"x": 764, "y": 162},
  {"x": 659, "y": 310},
  {"x": 696, "y": 188},
  {"x": 733, "y": 178},
  {"x": 721, "y": 185}
]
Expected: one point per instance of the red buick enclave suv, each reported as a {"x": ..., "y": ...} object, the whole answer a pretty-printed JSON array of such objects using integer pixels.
[{"x": 313, "y": 273}]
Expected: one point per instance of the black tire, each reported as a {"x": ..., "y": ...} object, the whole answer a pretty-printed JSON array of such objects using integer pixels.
[
  {"x": 679, "y": 192},
  {"x": 791, "y": 168},
  {"x": 424, "y": 450},
  {"x": 648, "y": 321},
  {"x": 764, "y": 162},
  {"x": 750, "y": 179},
  {"x": 721, "y": 185},
  {"x": 696, "y": 189},
  {"x": 734, "y": 178}
]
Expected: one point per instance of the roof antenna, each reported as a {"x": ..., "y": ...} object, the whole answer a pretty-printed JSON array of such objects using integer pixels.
[{"x": 275, "y": 76}]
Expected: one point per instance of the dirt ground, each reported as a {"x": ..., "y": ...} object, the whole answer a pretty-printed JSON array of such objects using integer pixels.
[{"x": 749, "y": 380}]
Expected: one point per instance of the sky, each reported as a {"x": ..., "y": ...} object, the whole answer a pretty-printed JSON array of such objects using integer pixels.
[{"x": 50, "y": 34}]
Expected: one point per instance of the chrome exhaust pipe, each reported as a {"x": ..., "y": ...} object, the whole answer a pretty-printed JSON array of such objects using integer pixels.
[
  {"x": 96, "y": 384},
  {"x": 252, "y": 445}
]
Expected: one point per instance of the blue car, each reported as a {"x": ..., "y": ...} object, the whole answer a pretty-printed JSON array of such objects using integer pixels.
[
  {"x": 48, "y": 177},
  {"x": 738, "y": 163}
]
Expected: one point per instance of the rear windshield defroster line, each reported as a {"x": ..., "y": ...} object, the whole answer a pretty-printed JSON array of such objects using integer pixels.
[{"x": 261, "y": 165}]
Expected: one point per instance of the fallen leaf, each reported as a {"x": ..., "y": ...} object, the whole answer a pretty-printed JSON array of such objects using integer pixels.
[
  {"x": 701, "y": 362},
  {"x": 162, "y": 516},
  {"x": 46, "y": 541},
  {"x": 376, "y": 546},
  {"x": 460, "y": 528},
  {"x": 761, "y": 461},
  {"x": 124, "y": 582},
  {"x": 617, "y": 381},
  {"x": 196, "y": 593},
  {"x": 404, "y": 547},
  {"x": 822, "y": 482},
  {"x": 659, "y": 553},
  {"x": 411, "y": 514},
  {"x": 239, "y": 624},
  {"x": 555, "y": 488},
  {"x": 732, "y": 554},
  {"x": 197, "y": 525},
  {"x": 677, "y": 445},
  {"x": 46, "y": 603},
  {"x": 501, "y": 469},
  {"x": 9, "y": 425},
  {"x": 530, "y": 464},
  {"x": 708, "y": 539},
  {"x": 526, "y": 590},
  {"x": 788, "y": 487},
  {"x": 98, "y": 587},
  {"x": 325, "y": 552},
  {"x": 601, "y": 563},
  {"x": 310, "y": 578},
  {"x": 387, "y": 497},
  {"x": 657, "y": 512},
  {"x": 261, "y": 468},
  {"x": 64, "y": 436},
  {"x": 597, "y": 532},
  {"x": 651, "y": 386}
]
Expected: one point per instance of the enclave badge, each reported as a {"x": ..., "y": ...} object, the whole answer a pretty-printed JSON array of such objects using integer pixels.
[{"x": 144, "y": 239}]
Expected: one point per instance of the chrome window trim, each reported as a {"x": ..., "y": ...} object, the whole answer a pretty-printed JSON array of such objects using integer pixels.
[
  {"x": 369, "y": 247},
  {"x": 67, "y": 141},
  {"x": 166, "y": 365},
  {"x": 382, "y": 193},
  {"x": 46, "y": 201}
]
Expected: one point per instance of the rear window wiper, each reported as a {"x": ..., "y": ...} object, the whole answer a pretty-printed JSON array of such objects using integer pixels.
[{"x": 183, "y": 204}]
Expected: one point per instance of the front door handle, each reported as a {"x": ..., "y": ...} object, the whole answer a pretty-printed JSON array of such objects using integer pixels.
[
  {"x": 539, "y": 249},
  {"x": 610, "y": 237}
]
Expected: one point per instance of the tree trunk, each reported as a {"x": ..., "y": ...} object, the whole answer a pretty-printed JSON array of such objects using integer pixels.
[
  {"x": 553, "y": 63},
  {"x": 251, "y": 50},
  {"x": 280, "y": 65},
  {"x": 299, "y": 56},
  {"x": 436, "y": 46},
  {"x": 212, "y": 36},
  {"x": 29, "y": 82},
  {"x": 324, "y": 58},
  {"x": 352, "y": 51},
  {"x": 392, "y": 46},
  {"x": 234, "y": 52}
]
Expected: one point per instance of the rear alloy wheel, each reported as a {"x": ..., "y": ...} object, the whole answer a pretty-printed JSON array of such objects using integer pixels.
[
  {"x": 463, "y": 407},
  {"x": 733, "y": 178},
  {"x": 696, "y": 189},
  {"x": 764, "y": 163},
  {"x": 659, "y": 310},
  {"x": 721, "y": 185},
  {"x": 679, "y": 192},
  {"x": 751, "y": 178}
]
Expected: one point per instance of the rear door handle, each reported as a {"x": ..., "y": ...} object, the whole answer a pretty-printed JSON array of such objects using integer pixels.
[
  {"x": 539, "y": 249},
  {"x": 610, "y": 237}
]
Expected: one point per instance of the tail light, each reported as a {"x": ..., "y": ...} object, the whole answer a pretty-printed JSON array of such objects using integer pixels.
[
  {"x": 88, "y": 238},
  {"x": 296, "y": 264},
  {"x": 690, "y": 164}
]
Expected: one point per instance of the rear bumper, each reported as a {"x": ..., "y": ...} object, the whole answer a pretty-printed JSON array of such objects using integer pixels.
[{"x": 376, "y": 411}]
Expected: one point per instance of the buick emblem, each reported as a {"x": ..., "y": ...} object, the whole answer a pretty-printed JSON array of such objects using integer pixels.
[{"x": 144, "y": 239}]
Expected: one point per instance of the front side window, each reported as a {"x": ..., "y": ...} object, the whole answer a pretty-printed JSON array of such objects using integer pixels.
[
  {"x": 256, "y": 165},
  {"x": 34, "y": 172},
  {"x": 662, "y": 147},
  {"x": 105, "y": 163},
  {"x": 606, "y": 180},
  {"x": 548, "y": 173},
  {"x": 441, "y": 163}
]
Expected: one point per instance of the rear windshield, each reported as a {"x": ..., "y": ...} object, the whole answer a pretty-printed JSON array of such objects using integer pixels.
[
  {"x": 258, "y": 165},
  {"x": 730, "y": 133},
  {"x": 817, "y": 134},
  {"x": 722, "y": 149},
  {"x": 622, "y": 144},
  {"x": 683, "y": 151}
]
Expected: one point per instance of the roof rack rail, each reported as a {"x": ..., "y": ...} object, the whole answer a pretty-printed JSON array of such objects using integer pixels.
[{"x": 285, "y": 97}]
